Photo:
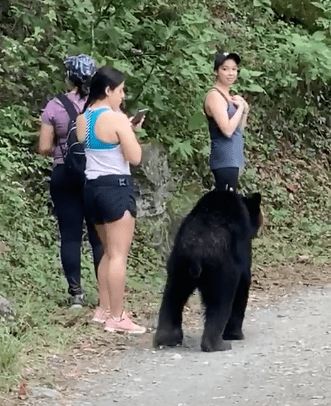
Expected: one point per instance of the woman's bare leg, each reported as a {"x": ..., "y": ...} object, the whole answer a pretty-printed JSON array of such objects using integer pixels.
[
  {"x": 103, "y": 271},
  {"x": 119, "y": 236}
]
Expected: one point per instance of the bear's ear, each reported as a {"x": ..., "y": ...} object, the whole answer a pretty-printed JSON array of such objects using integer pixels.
[
  {"x": 253, "y": 204},
  {"x": 256, "y": 198}
]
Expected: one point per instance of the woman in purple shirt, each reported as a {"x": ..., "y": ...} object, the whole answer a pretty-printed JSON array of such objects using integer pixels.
[{"x": 67, "y": 192}]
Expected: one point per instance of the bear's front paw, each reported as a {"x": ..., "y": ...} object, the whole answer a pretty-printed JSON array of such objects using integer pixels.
[
  {"x": 168, "y": 338},
  {"x": 233, "y": 335},
  {"x": 215, "y": 345}
]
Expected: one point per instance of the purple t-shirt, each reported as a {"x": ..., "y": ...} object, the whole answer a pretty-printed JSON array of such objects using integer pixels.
[{"x": 55, "y": 115}]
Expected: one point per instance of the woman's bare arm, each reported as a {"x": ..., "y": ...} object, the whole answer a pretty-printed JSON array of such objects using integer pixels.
[
  {"x": 128, "y": 140},
  {"x": 217, "y": 106},
  {"x": 46, "y": 139}
]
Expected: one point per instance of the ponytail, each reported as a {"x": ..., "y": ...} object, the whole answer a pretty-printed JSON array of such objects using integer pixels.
[
  {"x": 83, "y": 90},
  {"x": 83, "y": 87},
  {"x": 90, "y": 100}
]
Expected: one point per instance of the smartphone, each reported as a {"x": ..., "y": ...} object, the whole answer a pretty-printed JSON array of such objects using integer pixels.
[{"x": 138, "y": 116}]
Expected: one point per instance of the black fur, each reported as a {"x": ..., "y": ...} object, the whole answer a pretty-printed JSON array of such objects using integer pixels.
[{"x": 212, "y": 252}]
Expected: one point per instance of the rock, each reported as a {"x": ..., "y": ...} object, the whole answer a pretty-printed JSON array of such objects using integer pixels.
[
  {"x": 152, "y": 178},
  {"x": 180, "y": 205},
  {"x": 160, "y": 209},
  {"x": 177, "y": 356},
  {"x": 3, "y": 248},
  {"x": 153, "y": 189},
  {"x": 6, "y": 309},
  {"x": 43, "y": 392},
  {"x": 303, "y": 258}
]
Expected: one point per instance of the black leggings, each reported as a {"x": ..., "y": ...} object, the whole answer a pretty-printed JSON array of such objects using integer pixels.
[
  {"x": 68, "y": 199},
  {"x": 226, "y": 178}
]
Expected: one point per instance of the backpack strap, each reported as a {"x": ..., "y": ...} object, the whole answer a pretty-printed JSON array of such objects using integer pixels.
[
  {"x": 72, "y": 112},
  {"x": 68, "y": 105}
]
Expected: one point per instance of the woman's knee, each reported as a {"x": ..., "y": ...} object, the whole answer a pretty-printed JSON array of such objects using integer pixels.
[{"x": 116, "y": 260}]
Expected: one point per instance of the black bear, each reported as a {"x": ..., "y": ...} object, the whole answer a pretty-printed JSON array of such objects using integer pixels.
[{"x": 212, "y": 252}]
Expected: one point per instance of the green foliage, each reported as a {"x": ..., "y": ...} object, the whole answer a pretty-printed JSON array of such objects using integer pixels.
[
  {"x": 9, "y": 358},
  {"x": 166, "y": 50},
  {"x": 311, "y": 14}
]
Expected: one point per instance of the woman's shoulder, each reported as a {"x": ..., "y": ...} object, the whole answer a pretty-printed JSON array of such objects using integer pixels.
[
  {"x": 50, "y": 104},
  {"x": 115, "y": 120},
  {"x": 114, "y": 115},
  {"x": 50, "y": 110},
  {"x": 76, "y": 99},
  {"x": 215, "y": 97}
]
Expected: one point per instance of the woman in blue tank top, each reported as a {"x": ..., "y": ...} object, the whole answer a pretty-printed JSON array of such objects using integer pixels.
[
  {"x": 227, "y": 118},
  {"x": 111, "y": 146}
]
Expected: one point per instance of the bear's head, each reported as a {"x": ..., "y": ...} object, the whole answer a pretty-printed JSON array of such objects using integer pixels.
[{"x": 253, "y": 204}]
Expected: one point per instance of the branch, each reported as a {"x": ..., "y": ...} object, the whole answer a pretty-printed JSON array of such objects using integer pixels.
[
  {"x": 102, "y": 15},
  {"x": 151, "y": 72},
  {"x": 145, "y": 83}
]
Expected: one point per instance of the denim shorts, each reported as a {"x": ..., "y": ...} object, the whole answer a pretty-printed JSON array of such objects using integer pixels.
[{"x": 108, "y": 197}]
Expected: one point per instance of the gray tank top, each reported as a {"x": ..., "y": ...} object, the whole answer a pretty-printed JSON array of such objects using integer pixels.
[{"x": 225, "y": 151}]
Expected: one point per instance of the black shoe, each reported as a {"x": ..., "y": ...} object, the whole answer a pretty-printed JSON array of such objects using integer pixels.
[{"x": 76, "y": 301}]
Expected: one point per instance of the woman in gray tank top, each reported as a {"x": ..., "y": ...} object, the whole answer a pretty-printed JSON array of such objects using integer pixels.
[{"x": 227, "y": 118}]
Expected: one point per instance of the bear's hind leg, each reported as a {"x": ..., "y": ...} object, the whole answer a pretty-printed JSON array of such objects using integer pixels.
[
  {"x": 178, "y": 289},
  {"x": 217, "y": 291},
  {"x": 233, "y": 329}
]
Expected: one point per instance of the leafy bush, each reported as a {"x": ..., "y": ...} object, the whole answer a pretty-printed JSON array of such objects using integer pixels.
[{"x": 166, "y": 50}]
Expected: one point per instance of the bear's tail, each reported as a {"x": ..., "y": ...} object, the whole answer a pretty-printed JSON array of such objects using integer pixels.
[{"x": 195, "y": 270}]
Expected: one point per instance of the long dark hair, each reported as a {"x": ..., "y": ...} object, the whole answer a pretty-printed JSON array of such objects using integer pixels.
[
  {"x": 103, "y": 78},
  {"x": 83, "y": 88}
]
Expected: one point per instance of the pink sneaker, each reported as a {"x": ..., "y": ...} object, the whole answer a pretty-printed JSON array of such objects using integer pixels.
[
  {"x": 100, "y": 315},
  {"x": 125, "y": 325}
]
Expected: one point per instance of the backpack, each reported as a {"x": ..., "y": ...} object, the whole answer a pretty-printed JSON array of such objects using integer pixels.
[{"x": 73, "y": 153}]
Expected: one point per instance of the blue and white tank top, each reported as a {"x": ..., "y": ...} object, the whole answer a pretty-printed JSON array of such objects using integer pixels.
[{"x": 102, "y": 158}]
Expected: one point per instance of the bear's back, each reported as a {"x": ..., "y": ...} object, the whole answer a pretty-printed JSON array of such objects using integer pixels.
[{"x": 217, "y": 221}]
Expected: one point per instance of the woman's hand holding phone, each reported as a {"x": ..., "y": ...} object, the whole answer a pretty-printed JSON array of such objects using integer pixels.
[{"x": 138, "y": 119}]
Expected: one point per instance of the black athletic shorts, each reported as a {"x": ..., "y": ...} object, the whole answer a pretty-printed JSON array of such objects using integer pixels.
[
  {"x": 108, "y": 197},
  {"x": 226, "y": 178}
]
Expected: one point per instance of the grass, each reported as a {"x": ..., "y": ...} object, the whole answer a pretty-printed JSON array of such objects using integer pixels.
[
  {"x": 43, "y": 327},
  {"x": 10, "y": 352}
]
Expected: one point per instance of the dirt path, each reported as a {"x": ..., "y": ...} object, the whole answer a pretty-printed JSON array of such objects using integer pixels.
[{"x": 285, "y": 361}]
